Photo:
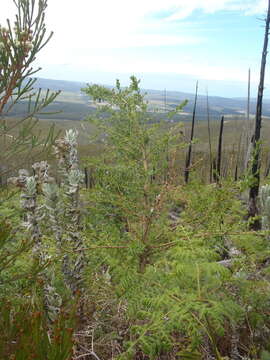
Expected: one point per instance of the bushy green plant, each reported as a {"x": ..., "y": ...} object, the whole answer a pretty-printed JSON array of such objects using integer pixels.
[
  {"x": 134, "y": 173},
  {"x": 188, "y": 302},
  {"x": 176, "y": 259},
  {"x": 161, "y": 270}
]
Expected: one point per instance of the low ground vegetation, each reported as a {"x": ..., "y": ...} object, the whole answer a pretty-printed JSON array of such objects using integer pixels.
[{"x": 139, "y": 266}]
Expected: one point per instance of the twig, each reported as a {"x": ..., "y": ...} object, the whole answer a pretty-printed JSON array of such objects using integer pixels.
[
  {"x": 91, "y": 353},
  {"x": 95, "y": 355},
  {"x": 81, "y": 356}
]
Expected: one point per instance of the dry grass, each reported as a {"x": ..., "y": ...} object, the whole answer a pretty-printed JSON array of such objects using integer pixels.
[{"x": 233, "y": 137}]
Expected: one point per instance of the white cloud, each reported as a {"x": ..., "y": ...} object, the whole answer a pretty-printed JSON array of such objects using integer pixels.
[
  {"x": 126, "y": 23},
  {"x": 84, "y": 28},
  {"x": 193, "y": 68},
  {"x": 183, "y": 8}
]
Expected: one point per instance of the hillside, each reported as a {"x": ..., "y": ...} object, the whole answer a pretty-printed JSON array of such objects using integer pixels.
[
  {"x": 71, "y": 92},
  {"x": 72, "y": 104}
]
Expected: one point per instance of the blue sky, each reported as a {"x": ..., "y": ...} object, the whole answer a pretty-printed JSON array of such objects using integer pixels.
[{"x": 167, "y": 43}]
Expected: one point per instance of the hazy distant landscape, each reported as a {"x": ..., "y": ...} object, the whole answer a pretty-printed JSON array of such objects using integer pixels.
[{"x": 72, "y": 104}]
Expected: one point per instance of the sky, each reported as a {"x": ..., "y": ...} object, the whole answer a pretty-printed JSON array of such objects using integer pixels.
[{"x": 167, "y": 44}]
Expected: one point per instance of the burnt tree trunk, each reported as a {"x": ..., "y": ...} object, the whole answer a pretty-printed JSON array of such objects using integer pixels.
[
  {"x": 188, "y": 158},
  {"x": 255, "y": 170},
  {"x": 236, "y": 172},
  {"x": 220, "y": 149},
  {"x": 86, "y": 178},
  {"x": 248, "y": 129},
  {"x": 209, "y": 138},
  {"x": 214, "y": 168}
]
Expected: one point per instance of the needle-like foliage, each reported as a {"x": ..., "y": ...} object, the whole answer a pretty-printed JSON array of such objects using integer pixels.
[{"x": 20, "y": 44}]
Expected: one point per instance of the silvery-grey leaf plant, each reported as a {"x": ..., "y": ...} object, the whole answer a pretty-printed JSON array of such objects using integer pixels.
[
  {"x": 42, "y": 199},
  {"x": 264, "y": 197}
]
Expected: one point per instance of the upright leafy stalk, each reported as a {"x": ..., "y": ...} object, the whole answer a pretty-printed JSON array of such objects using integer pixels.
[
  {"x": 52, "y": 203},
  {"x": 264, "y": 197},
  {"x": 267, "y": 168},
  {"x": 63, "y": 216},
  {"x": 255, "y": 170},
  {"x": 66, "y": 151},
  {"x": 29, "y": 204},
  {"x": 188, "y": 157},
  {"x": 31, "y": 188}
]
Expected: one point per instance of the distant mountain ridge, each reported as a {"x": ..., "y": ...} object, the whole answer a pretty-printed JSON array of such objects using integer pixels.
[
  {"x": 63, "y": 85},
  {"x": 158, "y": 100}
]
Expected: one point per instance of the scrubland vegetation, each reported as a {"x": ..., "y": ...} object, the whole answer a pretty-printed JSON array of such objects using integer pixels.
[{"x": 138, "y": 264}]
